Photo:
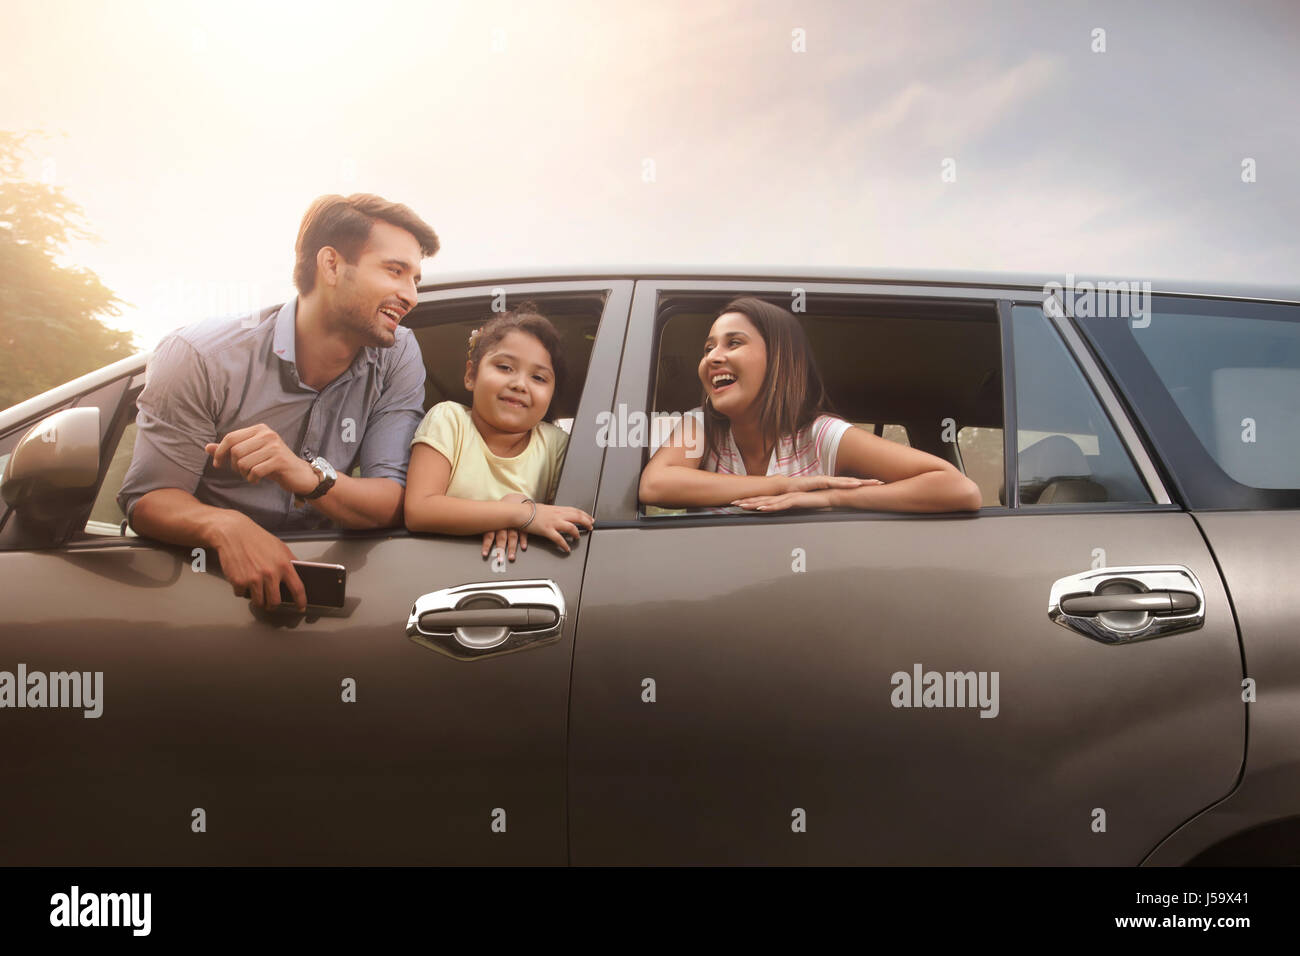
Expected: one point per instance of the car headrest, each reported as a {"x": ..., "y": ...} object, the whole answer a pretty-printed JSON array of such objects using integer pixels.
[{"x": 1058, "y": 463}]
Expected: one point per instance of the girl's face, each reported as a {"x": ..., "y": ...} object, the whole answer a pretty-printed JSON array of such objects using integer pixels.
[
  {"x": 513, "y": 384},
  {"x": 734, "y": 364}
]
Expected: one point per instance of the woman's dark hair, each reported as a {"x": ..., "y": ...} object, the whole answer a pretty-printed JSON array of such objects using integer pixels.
[
  {"x": 525, "y": 317},
  {"x": 792, "y": 394}
]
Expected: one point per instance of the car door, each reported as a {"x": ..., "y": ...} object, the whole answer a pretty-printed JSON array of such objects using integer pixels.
[
  {"x": 866, "y": 687},
  {"x": 233, "y": 736},
  {"x": 1216, "y": 383}
]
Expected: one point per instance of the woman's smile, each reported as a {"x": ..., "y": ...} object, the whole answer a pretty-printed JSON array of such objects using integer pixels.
[{"x": 734, "y": 364}]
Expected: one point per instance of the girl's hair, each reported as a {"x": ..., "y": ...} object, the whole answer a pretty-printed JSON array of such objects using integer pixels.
[
  {"x": 525, "y": 317},
  {"x": 792, "y": 394}
]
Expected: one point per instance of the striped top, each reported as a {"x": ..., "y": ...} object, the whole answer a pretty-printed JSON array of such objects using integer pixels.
[{"x": 811, "y": 451}]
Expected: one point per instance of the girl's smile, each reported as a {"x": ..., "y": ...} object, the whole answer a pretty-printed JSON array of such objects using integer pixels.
[{"x": 512, "y": 388}]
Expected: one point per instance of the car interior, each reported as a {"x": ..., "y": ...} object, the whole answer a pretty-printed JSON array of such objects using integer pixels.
[{"x": 899, "y": 369}]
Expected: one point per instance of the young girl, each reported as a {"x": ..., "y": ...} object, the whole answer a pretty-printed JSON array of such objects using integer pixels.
[
  {"x": 491, "y": 469},
  {"x": 769, "y": 443}
]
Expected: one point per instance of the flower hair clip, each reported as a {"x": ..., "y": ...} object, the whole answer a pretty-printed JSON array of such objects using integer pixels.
[{"x": 473, "y": 340}]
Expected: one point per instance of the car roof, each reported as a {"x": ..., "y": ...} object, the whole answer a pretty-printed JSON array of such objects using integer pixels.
[{"x": 965, "y": 278}]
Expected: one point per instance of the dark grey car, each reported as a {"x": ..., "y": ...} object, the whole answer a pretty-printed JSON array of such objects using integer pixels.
[{"x": 1067, "y": 677}]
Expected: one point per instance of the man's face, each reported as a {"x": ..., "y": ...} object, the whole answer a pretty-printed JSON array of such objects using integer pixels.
[{"x": 372, "y": 297}]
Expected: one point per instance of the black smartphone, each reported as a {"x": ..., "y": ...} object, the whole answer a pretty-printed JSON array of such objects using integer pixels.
[{"x": 326, "y": 584}]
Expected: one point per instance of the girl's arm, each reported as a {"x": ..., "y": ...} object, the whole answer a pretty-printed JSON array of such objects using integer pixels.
[
  {"x": 430, "y": 508},
  {"x": 915, "y": 481},
  {"x": 674, "y": 479}
]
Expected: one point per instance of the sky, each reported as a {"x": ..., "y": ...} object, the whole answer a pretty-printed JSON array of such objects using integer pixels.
[{"x": 965, "y": 135}]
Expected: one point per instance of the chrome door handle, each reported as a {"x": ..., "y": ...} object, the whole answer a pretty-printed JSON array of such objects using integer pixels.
[
  {"x": 1122, "y": 605},
  {"x": 472, "y": 621},
  {"x": 1154, "y": 602}
]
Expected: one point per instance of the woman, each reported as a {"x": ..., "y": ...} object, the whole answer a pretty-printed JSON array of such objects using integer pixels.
[{"x": 770, "y": 443}]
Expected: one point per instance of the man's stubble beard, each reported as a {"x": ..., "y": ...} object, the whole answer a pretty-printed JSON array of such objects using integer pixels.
[{"x": 352, "y": 314}]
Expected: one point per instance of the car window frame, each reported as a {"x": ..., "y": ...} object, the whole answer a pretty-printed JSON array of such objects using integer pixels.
[
  {"x": 1196, "y": 476},
  {"x": 1130, "y": 438},
  {"x": 578, "y": 480},
  {"x": 617, "y": 505}
]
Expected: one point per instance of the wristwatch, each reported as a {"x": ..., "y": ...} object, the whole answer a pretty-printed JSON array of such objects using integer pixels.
[{"x": 327, "y": 478}]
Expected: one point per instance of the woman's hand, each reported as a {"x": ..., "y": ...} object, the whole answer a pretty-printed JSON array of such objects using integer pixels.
[
  {"x": 818, "y": 498},
  {"x": 822, "y": 482}
]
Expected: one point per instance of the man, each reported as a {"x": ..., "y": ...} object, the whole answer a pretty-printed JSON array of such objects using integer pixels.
[{"x": 251, "y": 426}]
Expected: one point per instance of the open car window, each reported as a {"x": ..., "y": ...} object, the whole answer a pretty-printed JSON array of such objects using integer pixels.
[
  {"x": 442, "y": 330},
  {"x": 916, "y": 374}
]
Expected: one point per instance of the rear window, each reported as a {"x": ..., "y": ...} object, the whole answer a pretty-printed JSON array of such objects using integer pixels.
[{"x": 1217, "y": 385}]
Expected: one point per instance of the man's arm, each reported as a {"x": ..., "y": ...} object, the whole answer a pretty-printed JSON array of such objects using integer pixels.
[
  {"x": 380, "y": 493},
  {"x": 377, "y": 498},
  {"x": 177, "y": 416},
  {"x": 157, "y": 494},
  {"x": 359, "y": 502},
  {"x": 252, "y": 559}
]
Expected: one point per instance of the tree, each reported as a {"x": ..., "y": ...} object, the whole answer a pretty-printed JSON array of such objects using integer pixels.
[{"x": 49, "y": 330}]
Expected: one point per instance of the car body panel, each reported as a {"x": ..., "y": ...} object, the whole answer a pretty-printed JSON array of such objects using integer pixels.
[
  {"x": 213, "y": 705},
  {"x": 773, "y": 643}
]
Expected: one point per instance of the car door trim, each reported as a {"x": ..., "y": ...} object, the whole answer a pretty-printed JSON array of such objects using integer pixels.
[{"x": 1119, "y": 418}]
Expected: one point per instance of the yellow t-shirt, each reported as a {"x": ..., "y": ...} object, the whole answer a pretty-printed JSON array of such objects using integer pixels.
[{"x": 478, "y": 474}]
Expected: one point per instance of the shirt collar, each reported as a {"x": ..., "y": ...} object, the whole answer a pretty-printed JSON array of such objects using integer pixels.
[
  {"x": 285, "y": 326},
  {"x": 282, "y": 344}
]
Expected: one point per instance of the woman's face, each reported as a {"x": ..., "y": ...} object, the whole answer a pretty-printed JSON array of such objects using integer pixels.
[
  {"x": 513, "y": 384},
  {"x": 734, "y": 364}
]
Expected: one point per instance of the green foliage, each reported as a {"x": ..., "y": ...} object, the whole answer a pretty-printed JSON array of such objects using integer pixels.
[{"x": 49, "y": 333}]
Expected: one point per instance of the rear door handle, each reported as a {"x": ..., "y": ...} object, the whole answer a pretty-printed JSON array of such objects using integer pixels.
[
  {"x": 1123, "y": 605},
  {"x": 1155, "y": 602},
  {"x": 472, "y": 621}
]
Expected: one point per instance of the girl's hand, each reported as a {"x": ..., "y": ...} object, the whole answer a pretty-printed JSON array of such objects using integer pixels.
[
  {"x": 507, "y": 538},
  {"x": 801, "y": 499},
  {"x": 558, "y": 521},
  {"x": 822, "y": 482}
]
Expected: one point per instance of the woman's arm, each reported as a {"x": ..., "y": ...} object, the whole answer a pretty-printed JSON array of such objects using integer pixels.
[
  {"x": 914, "y": 481},
  {"x": 674, "y": 479}
]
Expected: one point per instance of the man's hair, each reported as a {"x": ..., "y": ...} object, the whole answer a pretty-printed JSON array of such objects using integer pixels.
[{"x": 345, "y": 223}]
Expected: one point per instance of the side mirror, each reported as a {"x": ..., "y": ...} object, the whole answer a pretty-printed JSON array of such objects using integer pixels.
[{"x": 55, "y": 466}]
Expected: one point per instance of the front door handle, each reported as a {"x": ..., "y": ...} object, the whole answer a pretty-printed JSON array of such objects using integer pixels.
[
  {"x": 472, "y": 621},
  {"x": 1123, "y": 605}
]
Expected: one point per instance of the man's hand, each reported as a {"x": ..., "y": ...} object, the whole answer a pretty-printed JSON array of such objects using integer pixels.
[
  {"x": 256, "y": 561},
  {"x": 258, "y": 452}
]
